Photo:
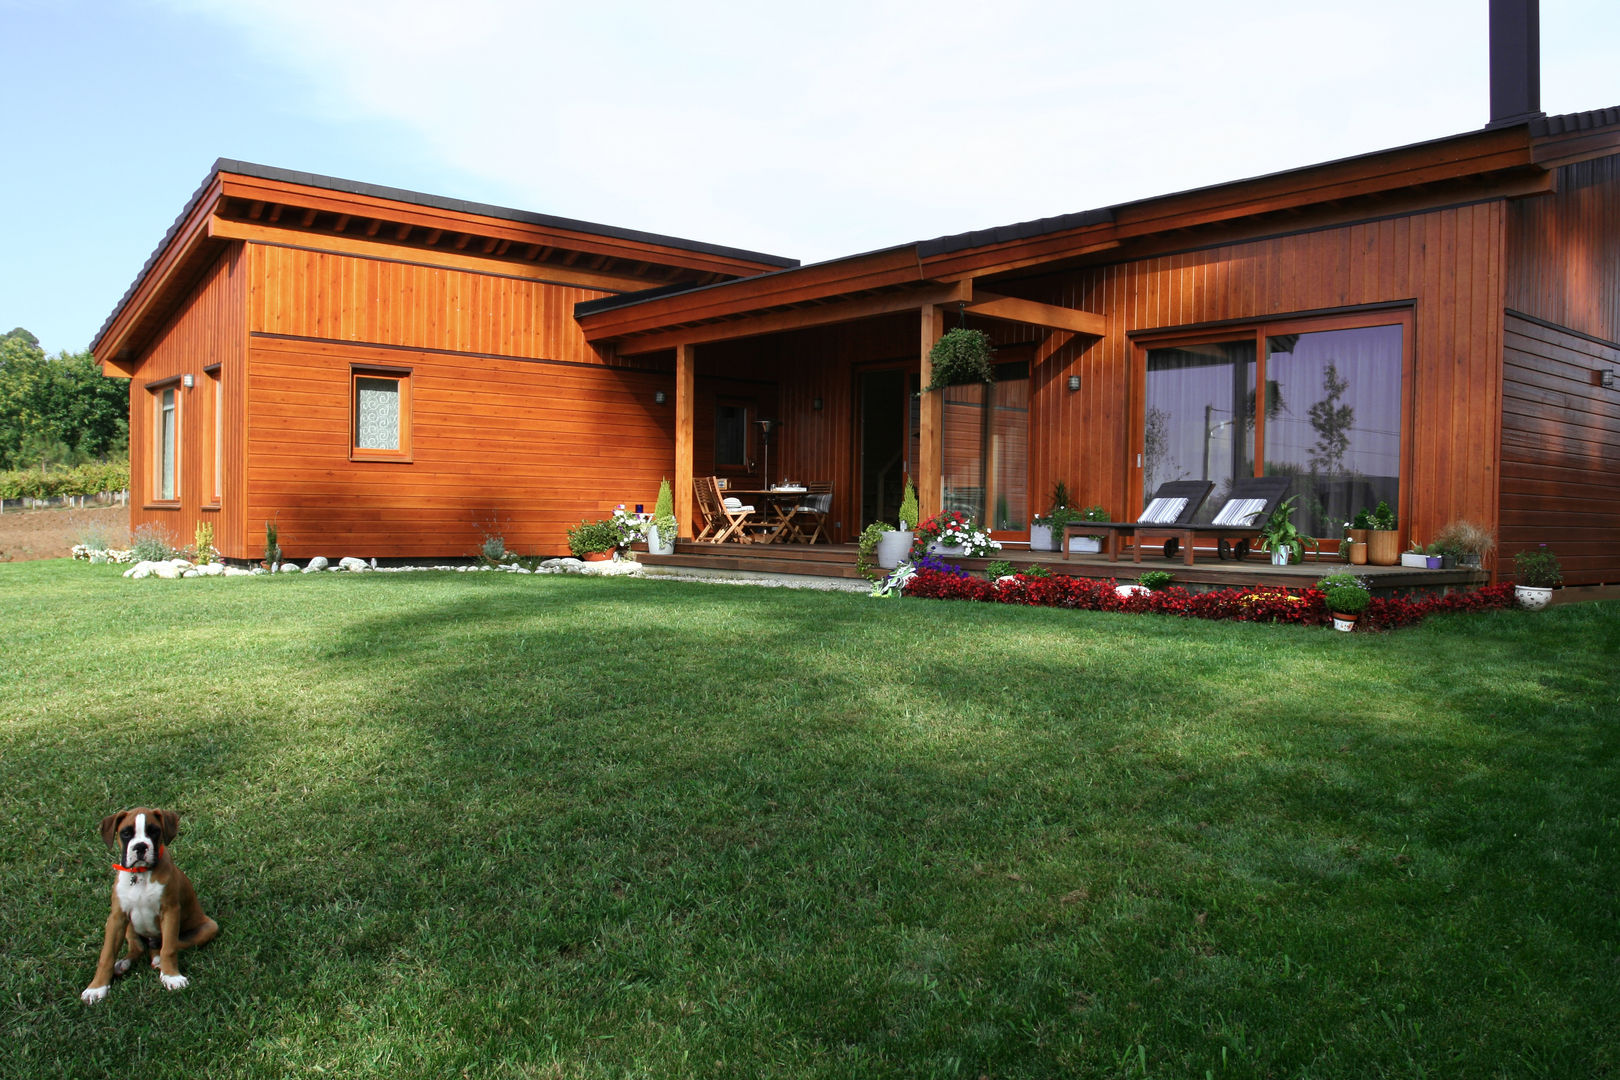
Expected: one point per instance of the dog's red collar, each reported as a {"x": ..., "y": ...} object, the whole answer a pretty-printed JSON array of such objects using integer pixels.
[{"x": 139, "y": 869}]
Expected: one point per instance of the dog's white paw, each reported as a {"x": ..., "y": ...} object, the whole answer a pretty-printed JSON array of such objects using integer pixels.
[
  {"x": 121, "y": 966},
  {"x": 157, "y": 962},
  {"x": 174, "y": 982},
  {"x": 93, "y": 994}
]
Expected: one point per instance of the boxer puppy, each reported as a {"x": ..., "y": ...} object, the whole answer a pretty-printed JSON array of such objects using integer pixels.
[{"x": 153, "y": 905}]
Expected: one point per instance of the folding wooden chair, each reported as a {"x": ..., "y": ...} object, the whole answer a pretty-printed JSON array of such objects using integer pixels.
[
  {"x": 808, "y": 521},
  {"x": 724, "y": 519}
]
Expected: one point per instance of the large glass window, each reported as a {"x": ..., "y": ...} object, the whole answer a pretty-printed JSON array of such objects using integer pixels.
[
  {"x": 985, "y": 451},
  {"x": 1199, "y": 421},
  {"x": 216, "y": 404},
  {"x": 1329, "y": 415},
  {"x": 1335, "y": 425}
]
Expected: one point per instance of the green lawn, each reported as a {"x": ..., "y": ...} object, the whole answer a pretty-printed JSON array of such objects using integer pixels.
[{"x": 490, "y": 825}]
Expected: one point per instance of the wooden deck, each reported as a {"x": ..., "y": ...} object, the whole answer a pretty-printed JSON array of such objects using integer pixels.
[{"x": 838, "y": 561}]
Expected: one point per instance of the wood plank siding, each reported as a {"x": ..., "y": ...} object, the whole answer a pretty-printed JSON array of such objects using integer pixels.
[
  {"x": 1444, "y": 268},
  {"x": 208, "y": 329},
  {"x": 1561, "y": 451},
  {"x": 1561, "y": 431},
  {"x": 500, "y": 445},
  {"x": 517, "y": 425}
]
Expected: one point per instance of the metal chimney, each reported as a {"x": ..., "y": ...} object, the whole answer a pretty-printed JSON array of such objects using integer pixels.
[{"x": 1515, "y": 62}]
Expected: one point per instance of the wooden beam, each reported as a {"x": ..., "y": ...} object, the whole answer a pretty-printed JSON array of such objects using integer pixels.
[
  {"x": 501, "y": 248},
  {"x": 685, "y": 412},
  {"x": 382, "y": 248},
  {"x": 929, "y": 477},
  {"x": 463, "y": 240},
  {"x": 531, "y": 252},
  {"x": 307, "y": 219},
  {"x": 433, "y": 236},
  {"x": 275, "y": 213},
  {"x": 376, "y": 224},
  {"x": 489, "y": 244},
  {"x": 1035, "y": 313},
  {"x": 776, "y": 321},
  {"x": 403, "y": 231},
  {"x": 256, "y": 209},
  {"x": 341, "y": 223}
]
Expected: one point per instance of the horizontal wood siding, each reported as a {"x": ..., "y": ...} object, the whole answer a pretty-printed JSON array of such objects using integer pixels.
[
  {"x": 1562, "y": 266},
  {"x": 208, "y": 329},
  {"x": 1561, "y": 451},
  {"x": 325, "y": 295},
  {"x": 499, "y": 446},
  {"x": 1446, "y": 264}
]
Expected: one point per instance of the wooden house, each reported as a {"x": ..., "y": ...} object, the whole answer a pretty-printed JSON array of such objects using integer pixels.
[{"x": 383, "y": 373}]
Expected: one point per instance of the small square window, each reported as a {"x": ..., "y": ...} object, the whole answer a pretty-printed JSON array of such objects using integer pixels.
[{"x": 380, "y": 416}]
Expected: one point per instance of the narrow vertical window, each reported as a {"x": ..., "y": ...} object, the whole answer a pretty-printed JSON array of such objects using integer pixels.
[
  {"x": 217, "y": 397},
  {"x": 380, "y": 417},
  {"x": 163, "y": 439}
]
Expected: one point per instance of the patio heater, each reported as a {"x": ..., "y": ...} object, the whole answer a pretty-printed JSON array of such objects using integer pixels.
[{"x": 765, "y": 429}]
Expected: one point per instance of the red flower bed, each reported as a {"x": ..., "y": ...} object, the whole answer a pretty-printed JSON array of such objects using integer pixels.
[{"x": 1244, "y": 605}]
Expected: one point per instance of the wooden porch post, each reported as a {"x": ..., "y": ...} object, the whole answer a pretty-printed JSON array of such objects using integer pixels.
[
  {"x": 685, "y": 389},
  {"x": 929, "y": 476}
]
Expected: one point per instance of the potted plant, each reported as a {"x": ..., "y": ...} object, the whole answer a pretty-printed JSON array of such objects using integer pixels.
[
  {"x": 1536, "y": 573},
  {"x": 892, "y": 545},
  {"x": 1469, "y": 541},
  {"x": 594, "y": 541},
  {"x": 1087, "y": 544},
  {"x": 1282, "y": 538},
  {"x": 1383, "y": 538},
  {"x": 961, "y": 356},
  {"x": 1346, "y": 597},
  {"x": 1417, "y": 557},
  {"x": 952, "y": 533},
  {"x": 661, "y": 530},
  {"x": 1359, "y": 526},
  {"x": 1046, "y": 529}
]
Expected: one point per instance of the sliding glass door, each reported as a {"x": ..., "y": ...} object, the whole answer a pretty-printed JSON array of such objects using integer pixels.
[
  {"x": 1321, "y": 405},
  {"x": 985, "y": 449}
]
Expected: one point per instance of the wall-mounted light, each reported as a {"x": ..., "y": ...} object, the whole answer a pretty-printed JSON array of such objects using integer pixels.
[
  {"x": 658, "y": 396},
  {"x": 1074, "y": 383},
  {"x": 815, "y": 403},
  {"x": 1604, "y": 377},
  {"x": 188, "y": 381}
]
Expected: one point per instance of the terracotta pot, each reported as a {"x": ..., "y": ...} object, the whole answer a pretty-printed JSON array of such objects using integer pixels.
[
  {"x": 599, "y": 556},
  {"x": 1358, "y": 535},
  {"x": 1358, "y": 553},
  {"x": 1383, "y": 547}
]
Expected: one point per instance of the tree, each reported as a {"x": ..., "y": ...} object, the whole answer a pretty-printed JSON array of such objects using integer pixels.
[
  {"x": 1332, "y": 422},
  {"x": 57, "y": 409}
]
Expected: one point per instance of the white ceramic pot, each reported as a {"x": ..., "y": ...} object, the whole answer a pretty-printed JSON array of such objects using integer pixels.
[
  {"x": 1414, "y": 558},
  {"x": 953, "y": 550},
  {"x": 1040, "y": 538},
  {"x": 1279, "y": 556},
  {"x": 1346, "y": 625},
  {"x": 1085, "y": 545},
  {"x": 893, "y": 548},
  {"x": 1533, "y": 597},
  {"x": 657, "y": 545}
]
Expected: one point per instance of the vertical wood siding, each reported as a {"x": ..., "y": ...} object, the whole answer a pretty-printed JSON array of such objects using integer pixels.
[
  {"x": 1562, "y": 265},
  {"x": 317, "y": 294},
  {"x": 1560, "y": 452},
  {"x": 1447, "y": 264},
  {"x": 209, "y": 329}
]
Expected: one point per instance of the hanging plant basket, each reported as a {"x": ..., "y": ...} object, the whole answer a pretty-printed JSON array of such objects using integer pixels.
[{"x": 961, "y": 356}]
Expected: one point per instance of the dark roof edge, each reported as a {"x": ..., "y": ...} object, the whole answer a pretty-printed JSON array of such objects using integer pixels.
[
  {"x": 438, "y": 202},
  {"x": 528, "y": 217}
]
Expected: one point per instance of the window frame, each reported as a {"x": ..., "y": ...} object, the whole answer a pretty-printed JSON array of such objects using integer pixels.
[
  {"x": 1258, "y": 330},
  {"x": 401, "y": 376},
  {"x": 214, "y": 425},
  {"x": 157, "y": 390}
]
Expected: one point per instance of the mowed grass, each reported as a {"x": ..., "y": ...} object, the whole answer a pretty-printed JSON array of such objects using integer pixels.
[{"x": 488, "y": 825}]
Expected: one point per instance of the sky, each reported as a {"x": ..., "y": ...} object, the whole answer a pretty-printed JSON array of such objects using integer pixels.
[{"x": 810, "y": 130}]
